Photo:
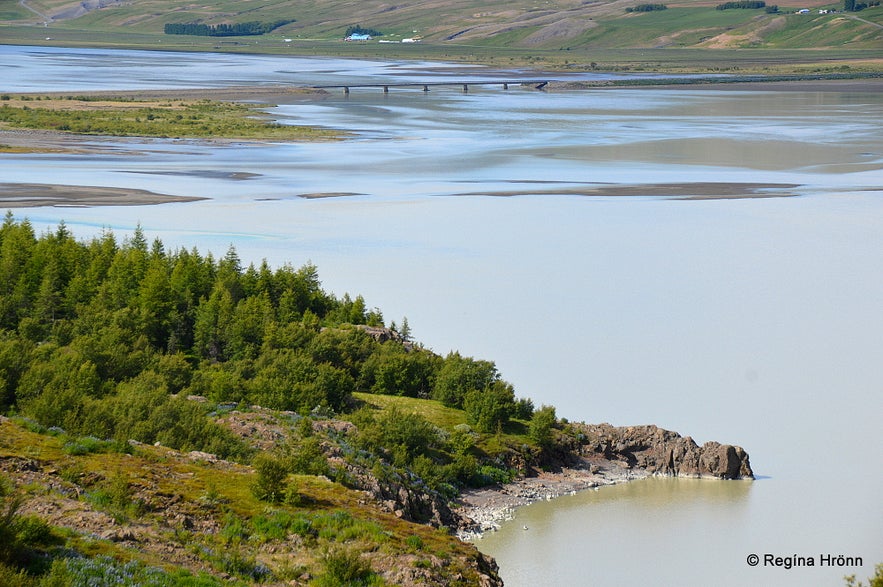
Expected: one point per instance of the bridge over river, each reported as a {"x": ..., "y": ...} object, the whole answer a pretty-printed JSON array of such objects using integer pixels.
[{"x": 538, "y": 84}]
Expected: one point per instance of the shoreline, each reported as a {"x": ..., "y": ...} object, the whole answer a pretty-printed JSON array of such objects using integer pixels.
[
  {"x": 603, "y": 455},
  {"x": 487, "y": 508},
  {"x": 226, "y": 93},
  {"x": 286, "y": 94}
]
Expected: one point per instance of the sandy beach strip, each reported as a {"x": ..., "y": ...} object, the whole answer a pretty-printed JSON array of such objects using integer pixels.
[{"x": 30, "y": 195}]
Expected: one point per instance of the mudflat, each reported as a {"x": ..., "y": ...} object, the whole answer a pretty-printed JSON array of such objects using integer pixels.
[
  {"x": 29, "y": 195},
  {"x": 855, "y": 85},
  {"x": 18, "y": 195}
]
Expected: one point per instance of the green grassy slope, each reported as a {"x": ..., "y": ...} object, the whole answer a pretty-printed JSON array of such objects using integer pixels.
[
  {"x": 551, "y": 25},
  {"x": 191, "y": 521}
]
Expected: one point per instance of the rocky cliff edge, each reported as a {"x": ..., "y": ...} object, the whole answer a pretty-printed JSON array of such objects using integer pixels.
[{"x": 663, "y": 452}]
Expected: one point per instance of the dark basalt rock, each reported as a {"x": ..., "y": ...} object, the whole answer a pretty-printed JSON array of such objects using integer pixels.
[{"x": 663, "y": 452}]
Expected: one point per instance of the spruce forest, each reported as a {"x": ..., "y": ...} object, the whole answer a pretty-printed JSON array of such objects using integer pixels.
[
  {"x": 108, "y": 338},
  {"x": 118, "y": 353}
]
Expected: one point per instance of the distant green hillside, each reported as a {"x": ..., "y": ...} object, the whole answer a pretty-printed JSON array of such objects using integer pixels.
[{"x": 493, "y": 29}]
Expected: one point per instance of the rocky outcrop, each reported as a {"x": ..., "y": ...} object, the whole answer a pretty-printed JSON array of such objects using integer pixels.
[
  {"x": 663, "y": 452},
  {"x": 408, "y": 499},
  {"x": 382, "y": 334}
]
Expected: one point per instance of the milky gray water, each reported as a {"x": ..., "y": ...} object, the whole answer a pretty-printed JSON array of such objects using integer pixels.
[{"x": 750, "y": 321}]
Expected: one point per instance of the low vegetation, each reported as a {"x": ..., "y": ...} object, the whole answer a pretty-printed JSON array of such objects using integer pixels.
[
  {"x": 875, "y": 581},
  {"x": 157, "y": 517},
  {"x": 154, "y": 118}
]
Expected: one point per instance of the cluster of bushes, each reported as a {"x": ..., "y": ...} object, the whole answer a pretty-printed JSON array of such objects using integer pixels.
[
  {"x": 745, "y": 4},
  {"x": 239, "y": 29},
  {"x": 409, "y": 450},
  {"x": 21, "y": 537},
  {"x": 340, "y": 564},
  {"x": 646, "y": 8}
]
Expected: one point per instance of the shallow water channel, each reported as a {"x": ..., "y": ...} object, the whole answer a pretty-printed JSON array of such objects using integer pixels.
[{"x": 707, "y": 260}]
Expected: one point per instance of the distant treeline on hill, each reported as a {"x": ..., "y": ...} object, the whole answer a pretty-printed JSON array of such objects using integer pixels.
[
  {"x": 646, "y": 8},
  {"x": 742, "y": 4},
  {"x": 357, "y": 29},
  {"x": 240, "y": 29},
  {"x": 853, "y": 6}
]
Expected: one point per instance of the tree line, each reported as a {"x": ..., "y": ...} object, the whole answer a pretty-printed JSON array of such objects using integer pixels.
[
  {"x": 239, "y": 29},
  {"x": 741, "y": 4},
  {"x": 358, "y": 29},
  {"x": 108, "y": 338},
  {"x": 646, "y": 8},
  {"x": 854, "y": 6}
]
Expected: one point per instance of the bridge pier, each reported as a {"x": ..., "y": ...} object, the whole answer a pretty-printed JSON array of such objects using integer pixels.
[{"x": 538, "y": 84}]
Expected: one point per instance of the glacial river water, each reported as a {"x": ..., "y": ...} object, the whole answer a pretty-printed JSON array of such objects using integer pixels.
[{"x": 752, "y": 321}]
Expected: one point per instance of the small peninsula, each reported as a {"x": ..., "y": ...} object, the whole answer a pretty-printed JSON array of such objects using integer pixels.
[
  {"x": 187, "y": 420},
  {"x": 163, "y": 114}
]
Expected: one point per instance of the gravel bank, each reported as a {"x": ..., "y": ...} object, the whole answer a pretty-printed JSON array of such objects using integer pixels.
[{"x": 489, "y": 507}]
